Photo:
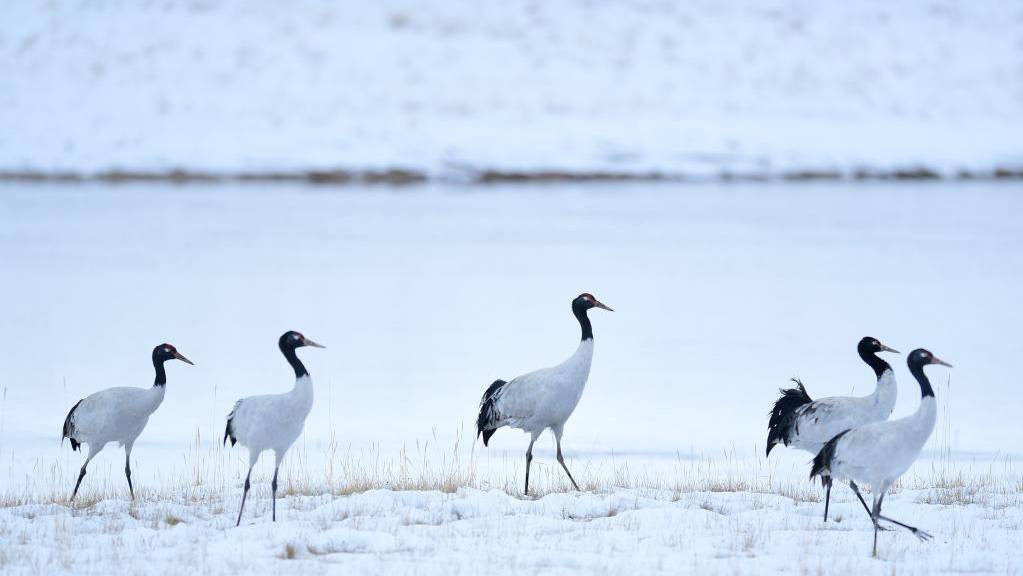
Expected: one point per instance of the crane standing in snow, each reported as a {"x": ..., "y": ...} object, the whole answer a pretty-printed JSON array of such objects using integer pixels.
[
  {"x": 117, "y": 415},
  {"x": 544, "y": 398},
  {"x": 798, "y": 421},
  {"x": 273, "y": 421},
  {"x": 879, "y": 453}
]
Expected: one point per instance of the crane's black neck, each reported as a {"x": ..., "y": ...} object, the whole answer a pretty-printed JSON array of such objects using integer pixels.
[
  {"x": 584, "y": 321},
  {"x": 917, "y": 370},
  {"x": 874, "y": 362},
  {"x": 161, "y": 374},
  {"x": 289, "y": 354}
]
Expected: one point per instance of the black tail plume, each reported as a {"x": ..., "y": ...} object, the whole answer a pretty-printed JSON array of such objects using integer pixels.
[
  {"x": 228, "y": 433},
  {"x": 783, "y": 415},
  {"x": 69, "y": 428},
  {"x": 485, "y": 422},
  {"x": 229, "y": 430},
  {"x": 822, "y": 461}
]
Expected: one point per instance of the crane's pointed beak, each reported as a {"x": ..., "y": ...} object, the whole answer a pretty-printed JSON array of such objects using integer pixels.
[
  {"x": 889, "y": 349},
  {"x": 183, "y": 359},
  {"x": 598, "y": 304},
  {"x": 936, "y": 360},
  {"x": 309, "y": 342}
]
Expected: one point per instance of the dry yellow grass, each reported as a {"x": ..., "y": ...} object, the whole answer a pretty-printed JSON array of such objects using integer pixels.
[{"x": 213, "y": 474}]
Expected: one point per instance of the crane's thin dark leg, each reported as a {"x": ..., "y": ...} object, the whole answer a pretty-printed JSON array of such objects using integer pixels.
[
  {"x": 273, "y": 486},
  {"x": 923, "y": 536},
  {"x": 561, "y": 460},
  {"x": 81, "y": 474},
  {"x": 127, "y": 469},
  {"x": 874, "y": 516},
  {"x": 856, "y": 490},
  {"x": 127, "y": 474},
  {"x": 827, "y": 497},
  {"x": 529, "y": 460},
  {"x": 244, "y": 494}
]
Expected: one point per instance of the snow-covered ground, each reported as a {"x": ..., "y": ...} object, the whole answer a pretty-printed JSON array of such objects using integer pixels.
[
  {"x": 423, "y": 297},
  {"x": 977, "y": 526},
  {"x": 451, "y": 88}
]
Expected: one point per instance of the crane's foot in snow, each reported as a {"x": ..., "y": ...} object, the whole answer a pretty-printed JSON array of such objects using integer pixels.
[{"x": 923, "y": 536}]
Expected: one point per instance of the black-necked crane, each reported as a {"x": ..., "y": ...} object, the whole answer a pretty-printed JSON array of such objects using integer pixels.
[
  {"x": 879, "y": 453},
  {"x": 544, "y": 398},
  {"x": 801, "y": 422},
  {"x": 273, "y": 421},
  {"x": 117, "y": 415}
]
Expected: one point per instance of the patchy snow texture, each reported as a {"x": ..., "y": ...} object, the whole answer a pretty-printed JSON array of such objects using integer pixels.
[
  {"x": 695, "y": 88},
  {"x": 625, "y": 531}
]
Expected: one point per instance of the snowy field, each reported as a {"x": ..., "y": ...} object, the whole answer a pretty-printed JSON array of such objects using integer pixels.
[
  {"x": 621, "y": 532},
  {"x": 752, "y": 186},
  {"x": 725, "y": 517},
  {"x": 423, "y": 296},
  {"x": 454, "y": 89}
]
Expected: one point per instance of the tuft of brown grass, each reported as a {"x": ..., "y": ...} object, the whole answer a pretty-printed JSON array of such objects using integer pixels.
[
  {"x": 213, "y": 477},
  {"x": 288, "y": 553}
]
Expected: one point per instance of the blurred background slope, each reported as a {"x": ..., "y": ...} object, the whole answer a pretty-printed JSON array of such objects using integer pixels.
[{"x": 457, "y": 88}]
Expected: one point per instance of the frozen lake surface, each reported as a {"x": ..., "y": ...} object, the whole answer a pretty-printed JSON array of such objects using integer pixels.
[{"x": 425, "y": 295}]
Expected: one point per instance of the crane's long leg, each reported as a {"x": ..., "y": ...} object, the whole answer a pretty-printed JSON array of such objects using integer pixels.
[
  {"x": 127, "y": 467},
  {"x": 827, "y": 496},
  {"x": 874, "y": 515},
  {"x": 81, "y": 473},
  {"x": 923, "y": 536},
  {"x": 856, "y": 490},
  {"x": 561, "y": 459},
  {"x": 244, "y": 494},
  {"x": 273, "y": 485},
  {"x": 529, "y": 460}
]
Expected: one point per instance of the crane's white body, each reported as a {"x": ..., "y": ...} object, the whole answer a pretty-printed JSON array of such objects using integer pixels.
[
  {"x": 823, "y": 419},
  {"x": 545, "y": 398},
  {"x": 114, "y": 415},
  {"x": 117, "y": 415},
  {"x": 272, "y": 421},
  {"x": 879, "y": 453}
]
